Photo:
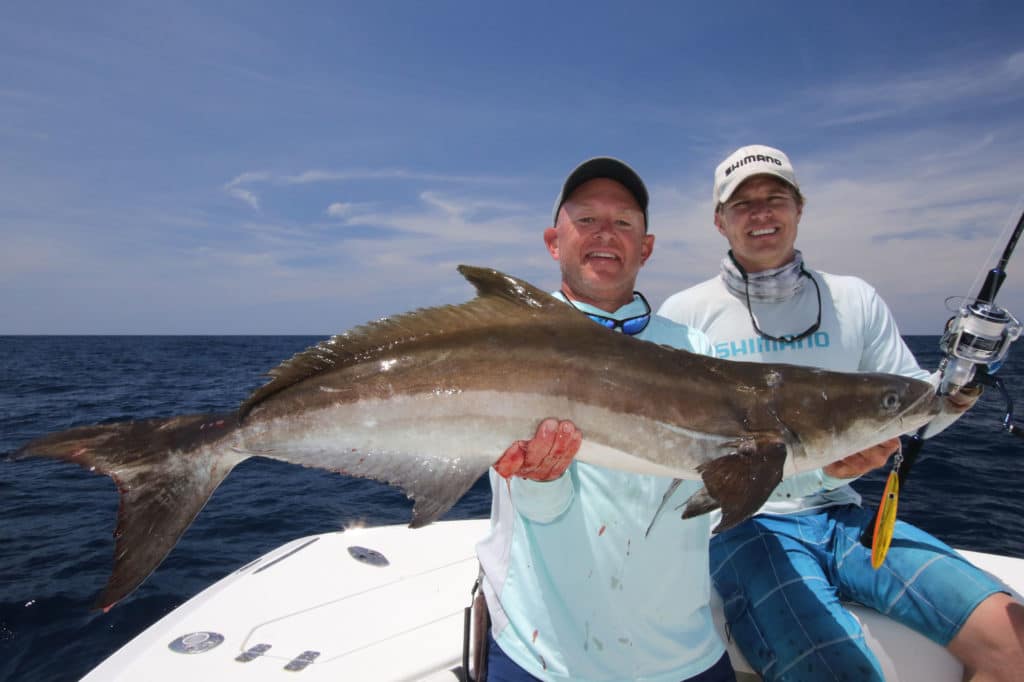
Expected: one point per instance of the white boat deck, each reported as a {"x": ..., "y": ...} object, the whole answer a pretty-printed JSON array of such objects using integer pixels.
[{"x": 321, "y": 614}]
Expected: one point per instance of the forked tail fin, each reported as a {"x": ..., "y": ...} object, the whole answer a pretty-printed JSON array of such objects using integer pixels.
[{"x": 165, "y": 471}]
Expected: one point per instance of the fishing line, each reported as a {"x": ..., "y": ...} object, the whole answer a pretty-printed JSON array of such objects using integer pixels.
[{"x": 1002, "y": 240}]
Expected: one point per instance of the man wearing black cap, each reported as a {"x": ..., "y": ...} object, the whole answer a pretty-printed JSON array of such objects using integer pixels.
[{"x": 574, "y": 589}]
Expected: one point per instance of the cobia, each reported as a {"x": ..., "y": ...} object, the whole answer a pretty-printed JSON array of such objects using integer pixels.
[{"x": 427, "y": 401}]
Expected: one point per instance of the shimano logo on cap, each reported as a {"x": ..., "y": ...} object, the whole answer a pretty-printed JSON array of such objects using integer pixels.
[{"x": 753, "y": 158}]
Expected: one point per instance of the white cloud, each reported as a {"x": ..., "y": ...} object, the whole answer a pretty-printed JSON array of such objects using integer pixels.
[
  {"x": 235, "y": 189},
  {"x": 1014, "y": 65},
  {"x": 464, "y": 206},
  {"x": 963, "y": 85},
  {"x": 914, "y": 209},
  {"x": 328, "y": 176},
  {"x": 454, "y": 223},
  {"x": 339, "y": 209},
  {"x": 249, "y": 177},
  {"x": 239, "y": 187},
  {"x": 248, "y": 196}
]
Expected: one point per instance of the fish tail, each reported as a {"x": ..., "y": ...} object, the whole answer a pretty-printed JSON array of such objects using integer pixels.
[{"x": 165, "y": 471}]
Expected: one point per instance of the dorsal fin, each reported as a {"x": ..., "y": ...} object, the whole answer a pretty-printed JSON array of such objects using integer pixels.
[
  {"x": 501, "y": 300},
  {"x": 491, "y": 282}
]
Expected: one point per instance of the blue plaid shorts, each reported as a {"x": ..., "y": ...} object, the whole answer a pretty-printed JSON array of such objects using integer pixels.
[{"x": 782, "y": 579}]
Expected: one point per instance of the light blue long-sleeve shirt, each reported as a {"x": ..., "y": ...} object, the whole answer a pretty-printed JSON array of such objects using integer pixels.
[{"x": 575, "y": 589}]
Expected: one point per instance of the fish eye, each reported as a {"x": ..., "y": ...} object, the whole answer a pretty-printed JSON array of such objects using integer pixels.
[{"x": 891, "y": 401}]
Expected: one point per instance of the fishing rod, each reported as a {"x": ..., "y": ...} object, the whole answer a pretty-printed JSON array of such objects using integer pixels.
[{"x": 974, "y": 345}]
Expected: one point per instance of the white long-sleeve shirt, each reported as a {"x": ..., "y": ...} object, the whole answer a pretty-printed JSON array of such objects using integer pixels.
[{"x": 857, "y": 334}]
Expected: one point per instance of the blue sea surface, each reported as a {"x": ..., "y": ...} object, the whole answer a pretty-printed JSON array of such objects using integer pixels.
[{"x": 57, "y": 520}]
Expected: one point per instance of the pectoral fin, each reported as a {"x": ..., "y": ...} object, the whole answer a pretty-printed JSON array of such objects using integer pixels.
[{"x": 741, "y": 481}]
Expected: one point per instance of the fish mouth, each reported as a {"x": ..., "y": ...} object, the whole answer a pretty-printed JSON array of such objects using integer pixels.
[{"x": 931, "y": 395}]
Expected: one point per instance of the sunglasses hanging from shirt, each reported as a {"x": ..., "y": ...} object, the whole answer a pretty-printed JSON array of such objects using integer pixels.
[{"x": 785, "y": 338}]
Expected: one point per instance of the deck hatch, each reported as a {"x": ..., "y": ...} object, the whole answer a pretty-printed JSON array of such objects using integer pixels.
[
  {"x": 301, "y": 661},
  {"x": 196, "y": 642},
  {"x": 252, "y": 653},
  {"x": 368, "y": 556}
]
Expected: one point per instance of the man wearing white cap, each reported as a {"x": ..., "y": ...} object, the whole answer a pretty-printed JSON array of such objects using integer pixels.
[
  {"x": 574, "y": 590},
  {"x": 782, "y": 573}
]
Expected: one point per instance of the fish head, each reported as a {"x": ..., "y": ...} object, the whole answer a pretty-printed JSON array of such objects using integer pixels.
[{"x": 840, "y": 414}]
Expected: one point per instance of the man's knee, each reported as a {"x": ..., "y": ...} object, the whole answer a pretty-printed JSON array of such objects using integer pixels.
[{"x": 991, "y": 640}]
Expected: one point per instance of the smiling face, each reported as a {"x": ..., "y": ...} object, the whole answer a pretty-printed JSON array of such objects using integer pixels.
[
  {"x": 760, "y": 221},
  {"x": 600, "y": 241}
]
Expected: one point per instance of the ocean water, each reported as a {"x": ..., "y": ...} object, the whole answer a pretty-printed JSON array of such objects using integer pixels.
[{"x": 56, "y": 520}]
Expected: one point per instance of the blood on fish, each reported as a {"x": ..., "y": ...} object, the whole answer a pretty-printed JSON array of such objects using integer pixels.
[
  {"x": 601, "y": 532},
  {"x": 535, "y": 632}
]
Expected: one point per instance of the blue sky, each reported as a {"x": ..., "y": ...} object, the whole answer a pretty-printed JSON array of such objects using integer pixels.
[{"x": 250, "y": 168}]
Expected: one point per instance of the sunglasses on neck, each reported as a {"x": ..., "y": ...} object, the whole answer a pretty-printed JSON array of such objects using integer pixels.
[
  {"x": 629, "y": 326},
  {"x": 785, "y": 338}
]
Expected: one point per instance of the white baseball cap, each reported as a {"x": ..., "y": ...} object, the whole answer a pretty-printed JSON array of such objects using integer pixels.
[{"x": 746, "y": 162}]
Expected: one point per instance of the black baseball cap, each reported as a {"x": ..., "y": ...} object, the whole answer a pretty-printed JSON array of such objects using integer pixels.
[{"x": 603, "y": 167}]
